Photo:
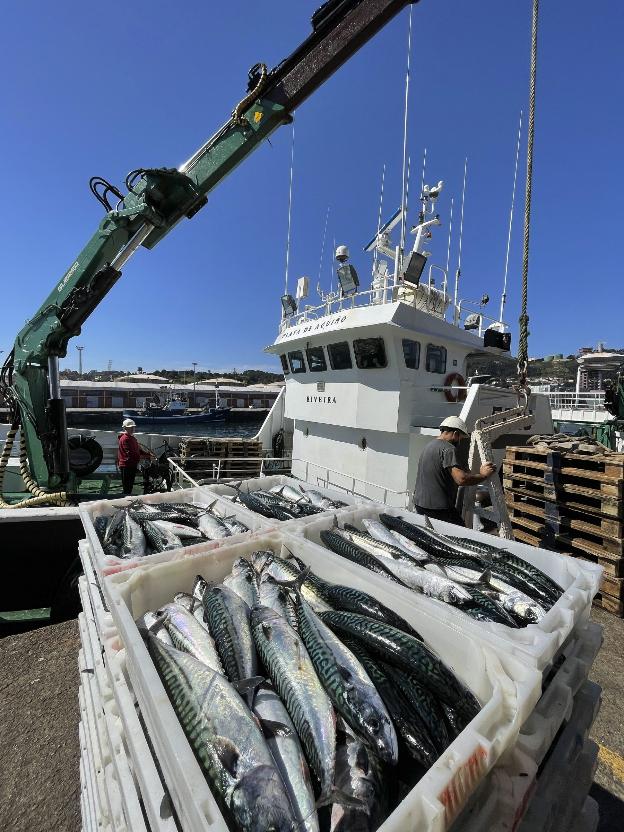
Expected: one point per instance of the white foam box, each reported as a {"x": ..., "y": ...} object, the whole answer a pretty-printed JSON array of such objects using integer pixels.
[
  {"x": 507, "y": 688},
  {"x": 266, "y": 483},
  {"x": 537, "y": 644},
  {"x": 129, "y": 745},
  {"x": 110, "y": 564}
]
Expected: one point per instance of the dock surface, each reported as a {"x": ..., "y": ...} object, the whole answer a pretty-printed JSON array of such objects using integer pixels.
[{"x": 39, "y": 778}]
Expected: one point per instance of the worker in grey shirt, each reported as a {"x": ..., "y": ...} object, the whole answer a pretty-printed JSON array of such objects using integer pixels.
[{"x": 440, "y": 474}]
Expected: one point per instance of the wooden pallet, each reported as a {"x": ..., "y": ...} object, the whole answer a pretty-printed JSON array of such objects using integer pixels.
[
  {"x": 612, "y": 565},
  {"x": 613, "y": 587},
  {"x": 592, "y": 542},
  {"x": 612, "y": 605},
  {"x": 578, "y": 499},
  {"x": 564, "y": 516},
  {"x": 609, "y": 466},
  {"x": 599, "y": 485}
]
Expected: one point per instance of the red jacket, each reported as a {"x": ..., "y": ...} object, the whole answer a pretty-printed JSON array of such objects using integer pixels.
[{"x": 129, "y": 452}]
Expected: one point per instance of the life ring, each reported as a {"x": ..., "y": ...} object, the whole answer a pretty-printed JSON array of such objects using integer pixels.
[
  {"x": 457, "y": 395},
  {"x": 85, "y": 455}
]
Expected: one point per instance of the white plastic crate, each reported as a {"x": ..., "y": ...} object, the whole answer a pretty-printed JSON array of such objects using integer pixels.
[
  {"x": 501, "y": 801},
  {"x": 89, "y": 819},
  {"x": 127, "y": 728},
  {"x": 536, "y": 644},
  {"x": 508, "y": 688},
  {"x": 110, "y": 564},
  {"x": 266, "y": 483}
]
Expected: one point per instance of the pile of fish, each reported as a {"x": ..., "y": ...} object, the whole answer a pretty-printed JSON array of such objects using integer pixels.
[
  {"x": 309, "y": 705},
  {"x": 145, "y": 528},
  {"x": 488, "y": 583},
  {"x": 285, "y": 502}
]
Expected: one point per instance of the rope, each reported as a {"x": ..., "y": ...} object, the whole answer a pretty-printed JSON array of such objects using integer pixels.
[
  {"x": 523, "y": 343},
  {"x": 238, "y": 112},
  {"x": 40, "y": 497}
]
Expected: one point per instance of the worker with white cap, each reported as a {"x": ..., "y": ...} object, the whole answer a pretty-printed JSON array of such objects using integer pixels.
[
  {"x": 129, "y": 455},
  {"x": 440, "y": 473}
]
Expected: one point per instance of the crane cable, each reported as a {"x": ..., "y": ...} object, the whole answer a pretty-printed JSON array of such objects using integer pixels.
[{"x": 523, "y": 341}]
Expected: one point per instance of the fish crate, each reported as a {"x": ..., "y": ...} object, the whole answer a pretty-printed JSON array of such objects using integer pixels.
[
  {"x": 537, "y": 644},
  {"x": 228, "y": 491},
  {"x": 126, "y": 732},
  {"x": 508, "y": 688},
  {"x": 110, "y": 564}
]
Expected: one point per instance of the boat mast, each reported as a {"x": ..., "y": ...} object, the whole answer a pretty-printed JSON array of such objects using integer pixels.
[
  {"x": 448, "y": 249},
  {"x": 461, "y": 234},
  {"x": 381, "y": 196},
  {"x": 290, "y": 191},
  {"x": 404, "y": 184},
  {"x": 511, "y": 213}
]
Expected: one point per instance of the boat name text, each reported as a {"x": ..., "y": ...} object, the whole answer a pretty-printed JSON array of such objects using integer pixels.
[
  {"x": 313, "y": 327},
  {"x": 321, "y": 399}
]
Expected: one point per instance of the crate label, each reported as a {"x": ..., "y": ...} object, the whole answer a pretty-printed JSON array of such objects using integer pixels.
[{"x": 454, "y": 796}]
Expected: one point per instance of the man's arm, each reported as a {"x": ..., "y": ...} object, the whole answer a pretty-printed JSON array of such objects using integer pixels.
[{"x": 461, "y": 477}]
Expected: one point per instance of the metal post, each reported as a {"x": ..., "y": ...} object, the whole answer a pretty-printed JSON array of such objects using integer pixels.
[
  {"x": 80, "y": 349},
  {"x": 53, "y": 377}
]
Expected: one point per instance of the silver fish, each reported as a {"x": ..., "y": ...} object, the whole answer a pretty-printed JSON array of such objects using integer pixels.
[
  {"x": 289, "y": 493},
  {"x": 291, "y": 670},
  {"x": 193, "y": 605},
  {"x": 234, "y": 525},
  {"x": 261, "y": 558},
  {"x": 277, "y": 598},
  {"x": 358, "y": 775},
  {"x": 149, "y": 622},
  {"x": 459, "y": 574},
  {"x": 212, "y": 527},
  {"x": 179, "y": 529},
  {"x": 320, "y": 500},
  {"x": 133, "y": 544},
  {"x": 518, "y": 603},
  {"x": 287, "y": 752},
  {"x": 227, "y": 740},
  {"x": 243, "y": 579},
  {"x": 286, "y": 570},
  {"x": 187, "y": 634}
]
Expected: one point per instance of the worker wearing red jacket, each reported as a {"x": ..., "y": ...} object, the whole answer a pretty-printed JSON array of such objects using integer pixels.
[{"x": 129, "y": 455}]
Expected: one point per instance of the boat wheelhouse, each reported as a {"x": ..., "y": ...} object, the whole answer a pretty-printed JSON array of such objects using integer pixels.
[{"x": 371, "y": 374}]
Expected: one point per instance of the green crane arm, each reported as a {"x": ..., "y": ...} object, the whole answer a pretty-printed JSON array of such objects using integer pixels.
[{"x": 157, "y": 199}]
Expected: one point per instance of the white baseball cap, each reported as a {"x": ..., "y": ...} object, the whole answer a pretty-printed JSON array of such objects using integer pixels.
[
  {"x": 455, "y": 423},
  {"x": 128, "y": 423}
]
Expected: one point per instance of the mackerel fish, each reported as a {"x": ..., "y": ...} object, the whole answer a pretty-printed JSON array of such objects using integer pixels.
[
  {"x": 423, "y": 703},
  {"x": 286, "y": 659},
  {"x": 226, "y": 740},
  {"x": 288, "y": 754},
  {"x": 188, "y": 635},
  {"x": 212, "y": 527},
  {"x": 243, "y": 579},
  {"x": 193, "y": 605},
  {"x": 159, "y": 539},
  {"x": 284, "y": 570},
  {"x": 339, "y": 544},
  {"x": 275, "y": 596},
  {"x": 228, "y": 620},
  {"x": 235, "y": 526},
  {"x": 406, "y": 652},
  {"x": 180, "y": 529},
  {"x": 359, "y": 775},
  {"x": 384, "y": 535},
  {"x": 407, "y": 723},
  {"x": 348, "y": 686},
  {"x": 133, "y": 542}
]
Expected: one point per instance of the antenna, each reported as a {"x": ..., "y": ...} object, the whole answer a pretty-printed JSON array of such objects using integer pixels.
[
  {"x": 422, "y": 186},
  {"x": 404, "y": 181},
  {"x": 511, "y": 213},
  {"x": 290, "y": 190},
  {"x": 448, "y": 249},
  {"x": 461, "y": 235},
  {"x": 323, "y": 245},
  {"x": 381, "y": 196}
]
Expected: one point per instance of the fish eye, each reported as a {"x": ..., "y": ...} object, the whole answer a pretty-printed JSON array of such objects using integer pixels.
[{"x": 374, "y": 725}]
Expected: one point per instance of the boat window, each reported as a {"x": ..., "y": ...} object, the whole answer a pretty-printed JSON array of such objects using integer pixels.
[
  {"x": 411, "y": 353},
  {"x": 436, "y": 359},
  {"x": 369, "y": 353},
  {"x": 284, "y": 364},
  {"x": 297, "y": 364},
  {"x": 340, "y": 356},
  {"x": 316, "y": 359}
]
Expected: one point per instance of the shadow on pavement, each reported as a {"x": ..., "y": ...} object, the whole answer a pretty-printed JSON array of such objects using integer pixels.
[{"x": 611, "y": 809}]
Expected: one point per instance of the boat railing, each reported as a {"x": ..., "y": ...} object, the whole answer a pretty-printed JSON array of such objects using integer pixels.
[
  {"x": 214, "y": 469},
  {"x": 316, "y": 474},
  {"x": 431, "y": 299},
  {"x": 577, "y": 400}
]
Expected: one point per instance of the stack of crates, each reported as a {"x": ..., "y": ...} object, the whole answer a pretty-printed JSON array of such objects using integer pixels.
[
  {"x": 525, "y": 762},
  {"x": 572, "y": 503}
]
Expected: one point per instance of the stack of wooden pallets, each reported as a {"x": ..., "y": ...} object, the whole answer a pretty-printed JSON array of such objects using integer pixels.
[
  {"x": 571, "y": 503},
  {"x": 231, "y": 458}
]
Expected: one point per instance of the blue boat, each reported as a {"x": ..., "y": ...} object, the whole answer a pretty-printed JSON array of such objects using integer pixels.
[{"x": 174, "y": 412}]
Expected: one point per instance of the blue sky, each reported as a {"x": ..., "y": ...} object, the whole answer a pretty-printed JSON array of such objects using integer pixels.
[{"x": 100, "y": 89}]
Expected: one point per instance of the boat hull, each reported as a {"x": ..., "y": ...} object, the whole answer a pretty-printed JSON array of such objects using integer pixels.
[{"x": 168, "y": 418}]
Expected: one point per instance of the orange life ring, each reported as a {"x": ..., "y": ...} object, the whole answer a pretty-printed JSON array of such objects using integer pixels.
[{"x": 457, "y": 395}]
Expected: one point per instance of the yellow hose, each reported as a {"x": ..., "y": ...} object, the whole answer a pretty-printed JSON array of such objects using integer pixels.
[{"x": 40, "y": 497}]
